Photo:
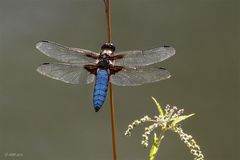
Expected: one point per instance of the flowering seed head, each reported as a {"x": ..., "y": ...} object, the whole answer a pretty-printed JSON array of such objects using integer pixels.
[{"x": 168, "y": 119}]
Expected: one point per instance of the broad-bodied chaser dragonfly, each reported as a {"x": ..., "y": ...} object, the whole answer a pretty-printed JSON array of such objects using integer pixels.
[{"x": 128, "y": 68}]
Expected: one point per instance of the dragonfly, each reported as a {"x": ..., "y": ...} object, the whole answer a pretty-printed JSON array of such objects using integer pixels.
[{"x": 81, "y": 66}]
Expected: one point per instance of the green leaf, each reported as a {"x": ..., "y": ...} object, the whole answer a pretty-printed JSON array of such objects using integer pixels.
[
  {"x": 154, "y": 147},
  {"x": 158, "y": 106},
  {"x": 179, "y": 119}
]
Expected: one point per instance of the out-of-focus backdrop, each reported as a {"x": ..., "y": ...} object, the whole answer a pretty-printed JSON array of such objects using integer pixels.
[{"x": 45, "y": 119}]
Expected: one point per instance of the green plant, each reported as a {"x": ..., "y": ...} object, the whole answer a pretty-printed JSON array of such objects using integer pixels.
[{"x": 168, "y": 120}]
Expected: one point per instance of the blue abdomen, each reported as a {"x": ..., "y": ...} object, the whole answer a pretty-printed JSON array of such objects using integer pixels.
[{"x": 100, "y": 89}]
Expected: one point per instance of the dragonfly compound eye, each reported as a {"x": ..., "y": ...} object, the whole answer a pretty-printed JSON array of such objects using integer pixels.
[{"x": 108, "y": 46}]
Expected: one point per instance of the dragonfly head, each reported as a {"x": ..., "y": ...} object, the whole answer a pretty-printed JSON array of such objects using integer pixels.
[{"x": 108, "y": 46}]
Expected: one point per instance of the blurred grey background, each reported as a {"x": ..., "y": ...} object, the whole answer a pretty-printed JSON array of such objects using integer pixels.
[{"x": 44, "y": 119}]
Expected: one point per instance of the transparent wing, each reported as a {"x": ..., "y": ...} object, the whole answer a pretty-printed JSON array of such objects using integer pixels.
[
  {"x": 142, "y": 58},
  {"x": 139, "y": 76},
  {"x": 66, "y": 54},
  {"x": 68, "y": 73}
]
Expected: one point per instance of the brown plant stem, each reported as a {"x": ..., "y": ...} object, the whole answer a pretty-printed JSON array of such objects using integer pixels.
[
  {"x": 109, "y": 37},
  {"x": 113, "y": 123}
]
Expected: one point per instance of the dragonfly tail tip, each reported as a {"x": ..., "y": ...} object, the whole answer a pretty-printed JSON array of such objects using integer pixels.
[{"x": 97, "y": 109}]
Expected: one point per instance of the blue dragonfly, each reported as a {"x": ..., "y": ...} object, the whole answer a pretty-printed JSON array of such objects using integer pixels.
[{"x": 127, "y": 68}]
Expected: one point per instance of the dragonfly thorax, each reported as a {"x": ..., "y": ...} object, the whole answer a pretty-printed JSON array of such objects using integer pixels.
[{"x": 103, "y": 62}]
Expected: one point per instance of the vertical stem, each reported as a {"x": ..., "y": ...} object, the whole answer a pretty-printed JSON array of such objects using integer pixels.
[
  {"x": 113, "y": 123},
  {"x": 109, "y": 33},
  {"x": 156, "y": 145},
  {"x": 109, "y": 37},
  {"x": 161, "y": 135}
]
